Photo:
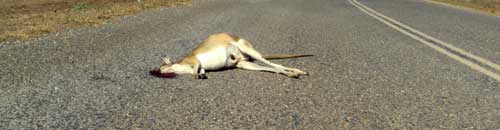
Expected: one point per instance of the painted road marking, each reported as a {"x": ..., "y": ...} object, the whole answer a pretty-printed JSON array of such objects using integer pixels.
[{"x": 475, "y": 62}]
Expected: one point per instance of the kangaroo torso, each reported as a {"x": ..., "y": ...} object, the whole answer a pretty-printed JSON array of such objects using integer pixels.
[{"x": 216, "y": 52}]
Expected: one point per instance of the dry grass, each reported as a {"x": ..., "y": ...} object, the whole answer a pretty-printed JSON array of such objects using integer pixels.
[
  {"x": 491, "y": 6},
  {"x": 24, "y": 19}
]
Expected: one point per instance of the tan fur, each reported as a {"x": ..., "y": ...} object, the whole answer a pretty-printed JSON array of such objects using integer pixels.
[{"x": 224, "y": 50}]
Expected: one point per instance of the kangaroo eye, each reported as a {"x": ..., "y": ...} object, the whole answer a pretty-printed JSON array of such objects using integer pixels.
[{"x": 232, "y": 57}]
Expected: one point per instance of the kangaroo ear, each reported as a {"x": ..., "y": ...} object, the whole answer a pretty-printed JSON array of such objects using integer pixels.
[{"x": 167, "y": 60}]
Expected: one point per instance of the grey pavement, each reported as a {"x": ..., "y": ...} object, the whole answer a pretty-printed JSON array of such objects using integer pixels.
[{"x": 364, "y": 75}]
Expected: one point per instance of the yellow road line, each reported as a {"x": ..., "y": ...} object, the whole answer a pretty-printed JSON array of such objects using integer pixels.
[{"x": 386, "y": 20}]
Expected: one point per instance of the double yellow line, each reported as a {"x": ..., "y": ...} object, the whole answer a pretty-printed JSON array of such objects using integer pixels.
[{"x": 475, "y": 62}]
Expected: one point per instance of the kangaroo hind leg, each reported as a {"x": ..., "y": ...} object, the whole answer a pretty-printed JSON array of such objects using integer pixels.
[
  {"x": 247, "y": 49},
  {"x": 253, "y": 66}
]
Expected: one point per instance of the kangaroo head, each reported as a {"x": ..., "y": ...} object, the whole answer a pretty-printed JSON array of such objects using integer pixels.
[
  {"x": 165, "y": 70},
  {"x": 169, "y": 69}
]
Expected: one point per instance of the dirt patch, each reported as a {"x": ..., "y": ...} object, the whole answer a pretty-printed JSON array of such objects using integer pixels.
[
  {"x": 24, "y": 19},
  {"x": 490, "y": 6}
]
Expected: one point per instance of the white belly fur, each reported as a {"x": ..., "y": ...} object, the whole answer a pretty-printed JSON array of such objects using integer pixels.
[{"x": 213, "y": 60}]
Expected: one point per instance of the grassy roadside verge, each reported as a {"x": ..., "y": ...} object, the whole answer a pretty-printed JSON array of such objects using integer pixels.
[
  {"x": 490, "y": 6},
  {"x": 24, "y": 19}
]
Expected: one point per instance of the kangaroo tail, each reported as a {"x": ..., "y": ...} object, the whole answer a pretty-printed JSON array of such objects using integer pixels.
[{"x": 283, "y": 56}]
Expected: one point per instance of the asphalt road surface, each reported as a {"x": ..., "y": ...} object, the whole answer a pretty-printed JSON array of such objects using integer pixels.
[{"x": 364, "y": 75}]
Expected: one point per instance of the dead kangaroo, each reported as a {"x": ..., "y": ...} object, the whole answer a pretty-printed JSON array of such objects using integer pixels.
[{"x": 221, "y": 51}]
